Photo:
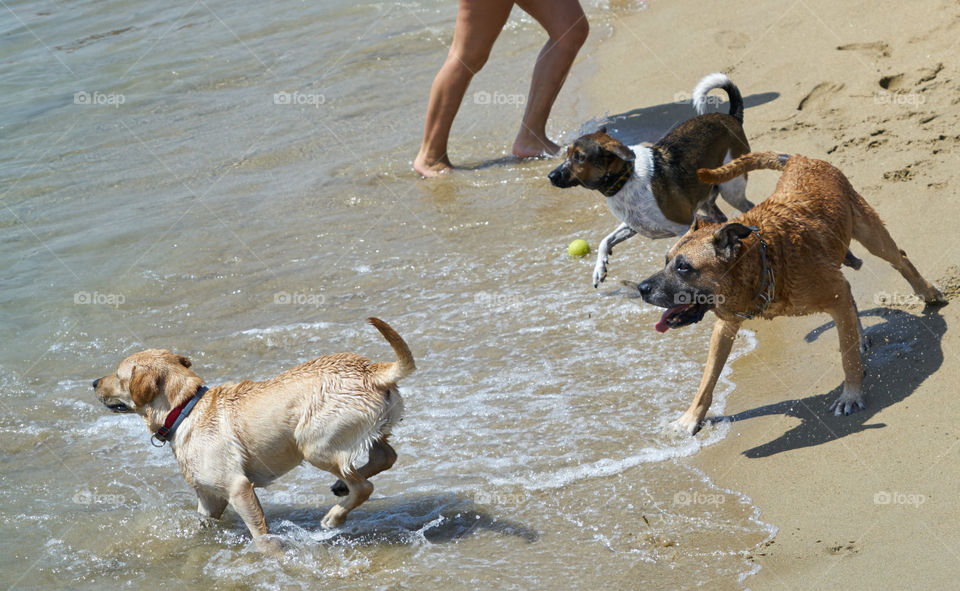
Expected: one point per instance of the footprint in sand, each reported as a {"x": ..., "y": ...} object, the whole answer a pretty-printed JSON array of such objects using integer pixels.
[
  {"x": 928, "y": 74},
  {"x": 903, "y": 174},
  {"x": 731, "y": 39},
  {"x": 891, "y": 82},
  {"x": 876, "y": 48},
  {"x": 898, "y": 81},
  {"x": 819, "y": 96},
  {"x": 949, "y": 283},
  {"x": 847, "y": 549}
]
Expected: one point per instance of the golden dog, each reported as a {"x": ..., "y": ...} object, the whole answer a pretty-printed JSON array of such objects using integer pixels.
[
  {"x": 781, "y": 258},
  {"x": 231, "y": 438}
]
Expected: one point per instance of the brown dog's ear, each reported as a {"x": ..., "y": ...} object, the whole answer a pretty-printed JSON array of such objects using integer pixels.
[
  {"x": 144, "y": 385},
  {"x": 727, "y": 239},
  {"x": 602, "y": 129},
  {"x": 622, "y": 152},
  {"x": 184, "y": 361}
]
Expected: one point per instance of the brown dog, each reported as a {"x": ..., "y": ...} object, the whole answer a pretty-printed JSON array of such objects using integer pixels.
[
  {"x": 231, "y": 438},
  {"x": 782, "y": 258}
]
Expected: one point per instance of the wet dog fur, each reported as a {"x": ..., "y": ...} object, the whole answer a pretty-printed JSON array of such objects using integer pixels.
[
  {"x": 329, "y": 411},
  {"x": 807, "y": 224}
]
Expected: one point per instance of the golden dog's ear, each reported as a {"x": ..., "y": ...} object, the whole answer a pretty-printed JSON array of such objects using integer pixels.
[
  {"x": 184, "y": 361},
  {"x": 144, "y": 385}
]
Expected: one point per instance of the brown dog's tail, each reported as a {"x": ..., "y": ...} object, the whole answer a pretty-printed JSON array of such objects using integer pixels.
[
  {"x": 743, "y": 165},
  {"x": 388, "y": 374}
]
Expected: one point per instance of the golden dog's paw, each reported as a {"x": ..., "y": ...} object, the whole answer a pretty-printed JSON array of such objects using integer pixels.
[
  {"x": 339, "y": 488},
  {"x": 270, "y": 546},
  {"x": 334, "y": 518},
  {"x": 688, "y": 424}
]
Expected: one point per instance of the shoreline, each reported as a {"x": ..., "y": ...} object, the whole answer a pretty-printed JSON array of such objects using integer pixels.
[{"x": 854, "y": 498}]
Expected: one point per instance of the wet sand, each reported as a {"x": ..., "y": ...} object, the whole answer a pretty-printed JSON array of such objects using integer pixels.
[{"x": 867, "y": 500}]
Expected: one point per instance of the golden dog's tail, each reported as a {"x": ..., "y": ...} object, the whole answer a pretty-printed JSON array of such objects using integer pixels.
[
  {"x": 388, "y": 374},
  {"x": 743, "y": 165}
]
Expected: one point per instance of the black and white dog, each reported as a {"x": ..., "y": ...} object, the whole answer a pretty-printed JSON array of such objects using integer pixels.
[{"x": 654, "y": 190}]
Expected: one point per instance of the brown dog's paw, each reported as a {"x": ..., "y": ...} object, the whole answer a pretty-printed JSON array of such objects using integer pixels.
[{"x": 938, "y": 299}]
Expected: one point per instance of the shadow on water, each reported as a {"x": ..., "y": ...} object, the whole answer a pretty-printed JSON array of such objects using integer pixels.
[
  {"x": 433, "y": 518},
  {"x": 905, "y": 350},
  {"x": 645, "y": 124}
]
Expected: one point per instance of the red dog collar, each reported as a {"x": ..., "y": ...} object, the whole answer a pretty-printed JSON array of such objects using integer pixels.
[{"x": 176, "y": 416}]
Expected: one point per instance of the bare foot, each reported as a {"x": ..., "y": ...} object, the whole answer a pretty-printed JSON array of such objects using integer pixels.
[
  {"x": 529, "y": 146},
  {"x": 429, "y": 170}
]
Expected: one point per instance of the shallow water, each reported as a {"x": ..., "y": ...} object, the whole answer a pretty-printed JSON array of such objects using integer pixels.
[{"x": 233, "y": 182}]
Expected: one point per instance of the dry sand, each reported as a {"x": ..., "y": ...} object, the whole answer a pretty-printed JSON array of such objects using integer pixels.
[{"x": 869, "y": 500}]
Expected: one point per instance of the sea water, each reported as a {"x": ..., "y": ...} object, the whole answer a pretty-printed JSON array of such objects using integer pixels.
[{"x": 233, "y": 181}]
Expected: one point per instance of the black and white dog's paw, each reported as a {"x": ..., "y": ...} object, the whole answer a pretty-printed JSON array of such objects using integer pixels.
[
  {"x": 600, "y": 270},
  {"x": 848, "y": 403}
]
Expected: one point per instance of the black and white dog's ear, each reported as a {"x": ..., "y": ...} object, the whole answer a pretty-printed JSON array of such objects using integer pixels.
[
  {"x": 621, "y": 151},
  {"x": 698, "y": 222},
  {"x": 726, "y": 240}
]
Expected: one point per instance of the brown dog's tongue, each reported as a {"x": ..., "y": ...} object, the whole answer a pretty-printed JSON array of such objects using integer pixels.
[{"x": 662, "y": 325}]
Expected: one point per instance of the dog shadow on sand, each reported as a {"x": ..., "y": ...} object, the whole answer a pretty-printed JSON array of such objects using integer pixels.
[
  {"x": 649, "y": 124},
  {"x": 905, "y": 350}
]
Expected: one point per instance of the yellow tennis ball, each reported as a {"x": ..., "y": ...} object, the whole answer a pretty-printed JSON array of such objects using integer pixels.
[{"x": 578, "y": 248}]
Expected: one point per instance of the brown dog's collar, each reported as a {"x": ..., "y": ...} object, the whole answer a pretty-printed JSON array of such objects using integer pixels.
[
  {"x": 616, "y": 183},
  {"x": 175, "y": 417},
  {"x": 767, "y": 280}
]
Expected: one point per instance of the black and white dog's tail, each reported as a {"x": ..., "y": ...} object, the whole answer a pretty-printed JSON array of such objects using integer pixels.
[{"x": 718, "y": 80}]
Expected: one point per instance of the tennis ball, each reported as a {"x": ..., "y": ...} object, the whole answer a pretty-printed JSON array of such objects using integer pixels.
[{"x": 578, "y": 248}]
